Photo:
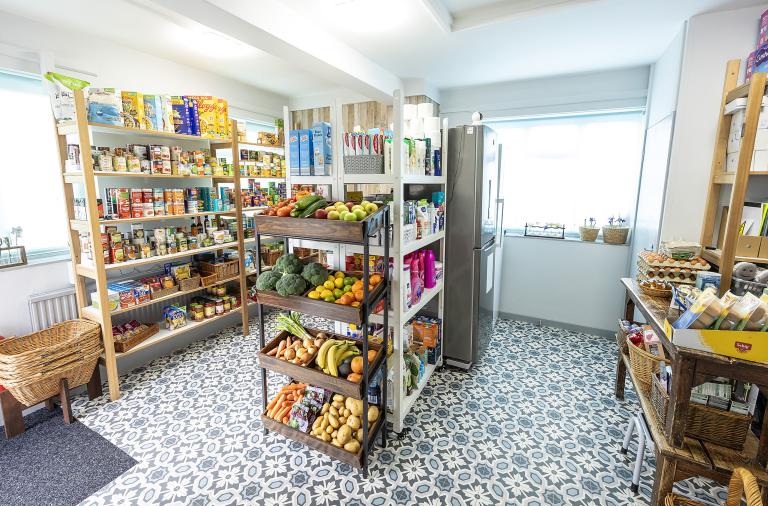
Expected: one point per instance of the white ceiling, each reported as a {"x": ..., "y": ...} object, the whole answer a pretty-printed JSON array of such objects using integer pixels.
[
  {"x": 128, "y": 23},
  {"x": 403, "y": 37},
  {"x": 586, "y": 36}
]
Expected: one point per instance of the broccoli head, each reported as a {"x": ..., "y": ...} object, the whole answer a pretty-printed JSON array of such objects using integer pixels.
[
  {"x": 315, "y": 273},
  {"x": 291, "y": 284},
  {"x": 267, "y": 280},
  {"x": 289, "y": 264}
]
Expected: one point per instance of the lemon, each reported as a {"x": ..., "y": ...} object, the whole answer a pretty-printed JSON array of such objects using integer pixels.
[
  {"x": 329, "y": 284},
  {"x": 339, "y": 282},
  {"x": 314, "y": 294},
  {"x": 319, "y": 288},
  {"x": 339, "y": 274},
  {"x": 331, "y": 277},
  {"x": 326, "y": 293}
]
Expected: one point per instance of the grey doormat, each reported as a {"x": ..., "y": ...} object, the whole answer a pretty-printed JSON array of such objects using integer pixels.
[{"x": 56, "y": 464}]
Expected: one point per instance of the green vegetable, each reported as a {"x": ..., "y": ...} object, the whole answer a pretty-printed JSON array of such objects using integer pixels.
[
  {"x": 308, "y": 212},
  {"x": 291, "y": 284},
  {"x": 315, "y": 273},
  {"x": 289, "y": 264},
  {"x": 295, "y": 213},
  {"x": 307, "y": 201},
  {"x": 267, "y": 280},
  {"x": 292, "y": 325}
]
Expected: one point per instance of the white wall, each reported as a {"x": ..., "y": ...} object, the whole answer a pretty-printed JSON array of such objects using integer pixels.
[
  {"x": 711, "y": 40},
  {"x": 571, "y": 282},
  {"x": 614, "y": 89},
  {"x": 121, "y": 67}
]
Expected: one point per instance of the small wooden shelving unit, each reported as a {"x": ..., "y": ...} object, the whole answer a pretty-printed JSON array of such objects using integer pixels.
[
  {"x": 739, "y": 180},
  {"x": 81, "y": 132},
  {"x": 336, "y": 232}
]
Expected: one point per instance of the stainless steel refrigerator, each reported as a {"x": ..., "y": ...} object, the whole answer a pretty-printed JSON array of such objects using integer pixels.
[{"x": 473, "y": 243}]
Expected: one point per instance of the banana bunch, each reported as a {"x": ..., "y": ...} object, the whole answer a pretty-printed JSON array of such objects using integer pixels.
[{"x": 333, "y": 352}]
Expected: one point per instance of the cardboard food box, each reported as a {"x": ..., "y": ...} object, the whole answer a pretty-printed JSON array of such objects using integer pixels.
[
  {"x": 113, "y": 299},
  {"x": 133, "y": 109},
  {"x": 153, "y": 113},
  {"x": 322, "y": 151},
  {"x": 207, "y": 112},
  {"x": 306, "y": 160},
  {"x": 741, "y": 344}
]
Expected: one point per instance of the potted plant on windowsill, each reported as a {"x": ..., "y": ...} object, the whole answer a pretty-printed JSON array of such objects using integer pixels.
[
  {"x": 616, "y": 231},
  {"x": 589, "y": 231}
]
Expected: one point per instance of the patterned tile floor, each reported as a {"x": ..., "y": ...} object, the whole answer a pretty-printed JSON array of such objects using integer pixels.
[{"x": 535, "y": 423}]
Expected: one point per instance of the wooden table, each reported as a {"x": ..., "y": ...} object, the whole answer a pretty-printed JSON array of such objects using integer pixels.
[{"x": 679, "y": 457}]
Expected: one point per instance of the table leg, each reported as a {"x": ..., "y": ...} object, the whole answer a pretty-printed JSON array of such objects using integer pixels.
[
  {"x": 11, "y": 408},
  {"x": 683, "y": 369},
  {"x": 663, "y": 479},
  {"x": 94, "y": 384},
  {"x": 66, "y": 404},
  {"x": 762, "y": 449},
  {"x": 621, "y": 368}
]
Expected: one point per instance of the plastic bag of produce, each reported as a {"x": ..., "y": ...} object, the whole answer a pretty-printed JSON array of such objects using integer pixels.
[{"x": 61, "y": 89}]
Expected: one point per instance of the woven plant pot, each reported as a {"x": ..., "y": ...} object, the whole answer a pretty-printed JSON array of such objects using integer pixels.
[
  {"x": 588, "y": 233},
  {"x": 32, "y": 366},
  {"x": 615, "y": 235}
]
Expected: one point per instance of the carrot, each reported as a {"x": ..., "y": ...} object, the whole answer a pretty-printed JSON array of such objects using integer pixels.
[
  {"x": 272, "y": 403},
  {"x": 286, "y": 410},
  {"x": 285, "y": 420},
  {"x": 280, "y": 348},
  {"x": 293, "y": 386},
  {"x": 278, "y": 400},
  {"x": 272, "y": 352}
]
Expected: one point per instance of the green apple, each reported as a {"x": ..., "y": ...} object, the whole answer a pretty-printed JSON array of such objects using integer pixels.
[
  {"x": 371, "y": 208},
  {"x": 356, "y": 207},
  {"x": 337, "y": 204},
  {"x": 360, "y": 214},
  {"x": 349, "y": 217},
  {"x": 342, "y": 208},
  {"x": 364, "y": 203},
  {"x": 333, "y": 215}
]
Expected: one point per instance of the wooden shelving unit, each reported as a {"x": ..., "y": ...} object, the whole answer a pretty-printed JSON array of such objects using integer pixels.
[
  {"x": 739, "y": 180},
  {"x": 344, "y": 115},
  {"x": 82, "y": 133},
  {"x": 337, "y": 232}
]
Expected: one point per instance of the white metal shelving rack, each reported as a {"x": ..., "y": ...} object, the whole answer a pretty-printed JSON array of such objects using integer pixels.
[{"x": 399, "y": 181}]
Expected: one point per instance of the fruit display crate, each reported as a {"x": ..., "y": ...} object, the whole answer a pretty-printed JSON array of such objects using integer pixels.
[
  {"x": 309, "y": 374},
  {"x": 354, "y": 459},
  {"x": 321, "y": 308},
  {"x": 347, "y": 232}
]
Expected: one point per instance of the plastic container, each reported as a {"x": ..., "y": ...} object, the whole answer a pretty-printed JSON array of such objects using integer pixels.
[
  {"x": 429, "y": 269},
  {"x": 417, "y": 284},
  {"x": 406, "y": 286}
]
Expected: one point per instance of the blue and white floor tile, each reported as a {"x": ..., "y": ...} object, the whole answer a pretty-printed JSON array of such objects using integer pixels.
[{"x": 535, "y": 423}]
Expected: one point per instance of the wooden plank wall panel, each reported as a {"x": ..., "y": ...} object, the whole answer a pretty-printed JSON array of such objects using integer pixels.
[
  {"x": 366, "y": 115},
  {"x": 307, "y": 117},
  {"x": 420, "y": 99}
]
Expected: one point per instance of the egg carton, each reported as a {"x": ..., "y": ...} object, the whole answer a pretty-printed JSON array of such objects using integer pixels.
[
  {"x": 661, "y": 260},
  {"x": 671, "y": 277},
  {"x": 665, "y": 271}
]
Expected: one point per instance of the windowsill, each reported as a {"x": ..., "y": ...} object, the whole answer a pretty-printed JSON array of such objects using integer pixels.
[
  {"x": 599, "y": 241},
  {"x": 38, "y": 261}
]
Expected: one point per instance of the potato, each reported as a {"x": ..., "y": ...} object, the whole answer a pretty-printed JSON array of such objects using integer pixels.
[
  {"x": 355, "y": 406},
  {"x": 290, "y": 354},
  {"x": 312, "y": 350},
  {"x": 323, "y": 423},
  {"x": 326, "y": 407},
  {"x": 321, "y": 335},
  {"x": 359, "y": 435},
  {"x": 337, "y": 405},
  {"x": 344, "y": 434},
  {"x": 346, "y": 412},
  {"x": 352, "y": 446},
  {"x": 336, "y": 444},
  {"x": 318, "y": 342},
  {"x": 327, "y": 437},
  {"x": 343, "y": 420},
  {"x": 307, "y": 342},
  {"x": 354, "y": 422},
  {"x": 329, "y": 430},
  {"x": 335, "y": 434},
  {"x": 317, "y": 423},
  {"x": 338, "y": 398},
  {"x": 301, "y": 352},
  {"x": 334, "y": 411},
  {"x": 373, "y": 413},
  {"x": 334, "y": 421}
]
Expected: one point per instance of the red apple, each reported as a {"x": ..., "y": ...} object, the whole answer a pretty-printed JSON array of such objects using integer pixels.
[
  {"x": 349, "y": 205},
  {"x": 320, "y": 214}
]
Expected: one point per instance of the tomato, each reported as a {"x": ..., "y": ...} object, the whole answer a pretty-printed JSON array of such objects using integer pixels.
[{"x": 284, "y": 211}]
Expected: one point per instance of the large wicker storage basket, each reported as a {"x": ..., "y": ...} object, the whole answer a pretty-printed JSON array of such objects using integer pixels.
[
  {"x": 710, "y": 424},
  {"x": 644, "y": 365},
  {"x": 743, "y": 483},
  {"x": 223, "y": 270},
  {"x": 32, "y": 366}
]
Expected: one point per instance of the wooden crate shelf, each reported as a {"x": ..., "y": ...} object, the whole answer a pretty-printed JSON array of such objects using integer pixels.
[{"x": 347, "y": 232}]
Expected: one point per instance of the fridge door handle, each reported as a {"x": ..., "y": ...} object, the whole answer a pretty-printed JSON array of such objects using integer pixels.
[{"x": 499, "y": 219}]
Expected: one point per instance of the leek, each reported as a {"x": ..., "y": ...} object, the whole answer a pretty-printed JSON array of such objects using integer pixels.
[{"x": 292, "y": 325}]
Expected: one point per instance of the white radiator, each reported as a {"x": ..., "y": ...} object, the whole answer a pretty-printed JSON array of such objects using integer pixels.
[{"x": 46, "y": 309}]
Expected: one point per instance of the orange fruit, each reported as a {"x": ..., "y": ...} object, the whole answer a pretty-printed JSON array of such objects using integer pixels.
[
  {"x": 357, "y": 286},
  {"x": 371, "y": 355},
  {"x": 359, "y": 295},
  {"x": 375, "y": 279},
  {"x": 355, "y": 304},
  {"x": 357, "y": 365}
]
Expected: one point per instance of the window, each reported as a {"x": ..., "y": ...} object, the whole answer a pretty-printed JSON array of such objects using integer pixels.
[
  {"x": 30, "y": 194},
  {"x": 566, "y": 169}
]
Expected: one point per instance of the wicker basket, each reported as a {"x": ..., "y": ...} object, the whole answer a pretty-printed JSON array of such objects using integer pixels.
[
  {"x": 621, "y": 338},
  {"x": 644, "y": 365},
  {"x": 656, "y": 292},
  {"x": 164, "y": 292},
  {"x": 743, "y": 483},
  {"x": 710, "y": 424},
  {"x": 588, "y": 233},
  {"x": 270, "y": 256},
  {"x": 137, "y": 339},
  {"x": 209, "y": 280},
  {"x": 32, "y": 366},
  {"x": 615, "y": 235},
  {"x": 223, "y": 270},
  {"x": 189, "y": 284}
]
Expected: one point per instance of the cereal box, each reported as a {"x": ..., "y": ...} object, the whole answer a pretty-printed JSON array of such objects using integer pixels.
[
  {"x": 321, "y": 145},
  {"x": 194, "y": 116},
  {"x": 105, "y": 106},
  {"x": 181, "y": 120},
  {"x": 153, "y": 112},
  {"x": 222, "y": 114},
  {"x": 167, "y": 113},
  {"x": 133, "y": 109},
  {"x": 207, "y": 113}
]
